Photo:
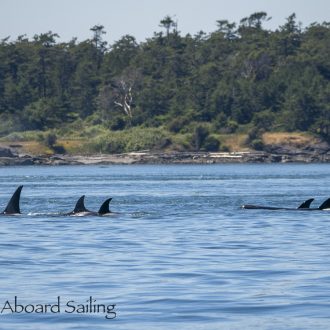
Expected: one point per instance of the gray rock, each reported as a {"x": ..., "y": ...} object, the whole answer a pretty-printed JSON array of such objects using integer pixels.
[{"x": 6, "y": 152}]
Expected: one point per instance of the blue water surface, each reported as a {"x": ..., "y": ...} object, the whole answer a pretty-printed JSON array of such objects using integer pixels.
[{"x": 178, "y": 252}]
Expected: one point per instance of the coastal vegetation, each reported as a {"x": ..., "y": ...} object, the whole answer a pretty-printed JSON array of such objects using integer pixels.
[{"x": 240, "y": 86}]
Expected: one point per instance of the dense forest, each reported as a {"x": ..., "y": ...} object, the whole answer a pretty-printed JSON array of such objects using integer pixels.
[{"x": 239, "y": 78}]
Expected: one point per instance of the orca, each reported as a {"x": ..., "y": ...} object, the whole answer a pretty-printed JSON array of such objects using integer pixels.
[
  {"x": 305, "y": 206},
  {"x": 12, "y": 207},
  {"x": 80, "y": 209},
  {"x": 104, "y": 209},
  {"x": 325, "y": 205}
]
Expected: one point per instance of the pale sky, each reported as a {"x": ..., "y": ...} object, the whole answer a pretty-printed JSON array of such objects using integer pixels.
[{"x": 140, "y": 18}]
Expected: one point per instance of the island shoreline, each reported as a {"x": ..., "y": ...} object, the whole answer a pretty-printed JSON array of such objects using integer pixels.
[{"x": 147, "y": 157}]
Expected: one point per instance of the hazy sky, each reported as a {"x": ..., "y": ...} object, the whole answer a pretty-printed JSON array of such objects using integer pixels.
[{"x": 140, "y": 18}]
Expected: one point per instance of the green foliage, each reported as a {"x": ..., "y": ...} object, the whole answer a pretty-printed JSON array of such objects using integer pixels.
[
  {"x": 24, "y": 136},
  {"x": 239, "y": 77},
  {"x": 134, "y": 139},
  {"x": 211, "y": 143},
  {"x": 199, "y": 136},
  {"x": 118, "y": 124},
  {"x": 254, "y": 139},
  {"x": 257, "y": 144},
  {"x": 263, "y": 120},
  {"x": 177, "y": 124},
  {"x": 232, "y": 126},
  {"x": 50, "y": 139}
]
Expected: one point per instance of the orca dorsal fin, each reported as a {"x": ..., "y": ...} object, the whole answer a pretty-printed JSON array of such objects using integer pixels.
[
  {"x": 104, "y": 209},
  {"x": 80, "y": 205},
  {"x": 325, "y": 205},
  {"x": 13, "y": 204},
  {"x": 306, "y": 204}
]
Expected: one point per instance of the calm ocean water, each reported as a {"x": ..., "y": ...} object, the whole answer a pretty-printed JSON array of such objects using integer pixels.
[{"x": 178, "y": 254}]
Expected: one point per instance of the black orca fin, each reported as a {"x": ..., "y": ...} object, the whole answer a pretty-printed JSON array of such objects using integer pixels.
[
  {"x": 13, "y": 204},
  {"x": 325, "y": 205},
  {"x": 104, "y": 209},
  {"x": 80, "y": 205},
  {"x": 306, "y": 204}
]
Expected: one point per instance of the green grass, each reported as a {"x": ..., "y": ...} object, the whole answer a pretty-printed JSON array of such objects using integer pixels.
[{"x": 83, "y": 139}]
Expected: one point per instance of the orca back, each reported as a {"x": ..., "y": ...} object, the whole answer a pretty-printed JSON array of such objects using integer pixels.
[
  {"x": 306, "y": 204},
  {"x": 260, "y": 207},
  {"x": 104, "y": 209},
  {"x": 80, "y": 205},
  {"x": 325, "y": 205},
  {"x": 13, "y": 204}
]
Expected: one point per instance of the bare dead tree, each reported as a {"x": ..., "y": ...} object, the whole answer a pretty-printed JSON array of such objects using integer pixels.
[
  {"x": 123, "y": 88},
  {"x": 119, "y": 93},
  {"x": 124, "y": 96}
]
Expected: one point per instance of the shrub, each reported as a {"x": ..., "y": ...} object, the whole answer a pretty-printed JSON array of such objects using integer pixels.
[
  {"x": 134, "y": 139},
  {"x": 200, "y": 134},
  {"x": 257, "y": 144},
  {"x": 118, "y": 124},
  {"x": 263, "y": 120},
  {"x": 211, "y": 144},
  {"x": 225, "y": 148},
  {"x": 254, "y": 139},
  {"x": 50, "y": 140},
  {"x": 232, "y": 126},
  {"x": 176, "y": 124}
]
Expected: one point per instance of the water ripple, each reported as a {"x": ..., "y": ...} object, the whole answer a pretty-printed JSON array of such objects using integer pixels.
[{"x": 178, "y": 253}]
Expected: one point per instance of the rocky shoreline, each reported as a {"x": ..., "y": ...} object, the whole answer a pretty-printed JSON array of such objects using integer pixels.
[{"x": 277, "y": 155}]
